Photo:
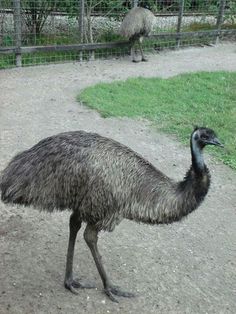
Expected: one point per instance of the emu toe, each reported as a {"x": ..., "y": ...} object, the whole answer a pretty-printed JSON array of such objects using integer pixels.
[
  {"x": 116, "y": 291},
  {"x": 144, "y": 59},
  {"x": 74, "y": 284}
]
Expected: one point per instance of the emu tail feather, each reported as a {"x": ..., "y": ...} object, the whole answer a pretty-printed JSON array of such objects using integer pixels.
[
  {"x": 21, "y": 183},
  {"x": 12, "y": 189}
]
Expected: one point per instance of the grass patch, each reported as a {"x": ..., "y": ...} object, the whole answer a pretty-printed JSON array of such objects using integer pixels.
[
  {"x": 199, "y": 26},
  {"x": 37, "y": 58},
  {"x": 174, "y": 105}
]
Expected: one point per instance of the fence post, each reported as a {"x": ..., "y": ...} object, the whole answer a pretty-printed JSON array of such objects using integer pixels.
[
  {"x": 219, "y": 20},
  {"x": 81, "y": 26},
  {"x": 1, "y": 23},
  {"x": 17, "y": 30},
  {"x": 179, "y": 23},
  {"x": 81, "y": 20}
]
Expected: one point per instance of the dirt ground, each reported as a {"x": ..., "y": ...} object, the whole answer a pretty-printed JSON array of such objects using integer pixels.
[{"x": 187, "y": 267}]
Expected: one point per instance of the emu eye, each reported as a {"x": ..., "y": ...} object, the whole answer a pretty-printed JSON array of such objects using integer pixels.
[{"x": 204, "y": 137}]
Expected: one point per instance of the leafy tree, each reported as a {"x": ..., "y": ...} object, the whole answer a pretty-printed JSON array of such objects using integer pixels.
[{"x": 36, "y": 13}]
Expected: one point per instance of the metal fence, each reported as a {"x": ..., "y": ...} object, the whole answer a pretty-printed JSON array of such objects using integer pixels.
[{"x": 44, "y": 31}]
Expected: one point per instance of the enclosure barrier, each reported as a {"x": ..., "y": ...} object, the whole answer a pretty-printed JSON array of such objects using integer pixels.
[{"x": 48, "y": 29}]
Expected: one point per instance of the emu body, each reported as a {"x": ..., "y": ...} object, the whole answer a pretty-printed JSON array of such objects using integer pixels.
[
  {"x": 102, "y": 182},
  {"x": 138, "y": 23}
]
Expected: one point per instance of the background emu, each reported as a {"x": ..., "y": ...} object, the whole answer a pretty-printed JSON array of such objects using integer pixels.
[
  {"x": 137, "y": 24},
  {"x": 102, "y": 182}
]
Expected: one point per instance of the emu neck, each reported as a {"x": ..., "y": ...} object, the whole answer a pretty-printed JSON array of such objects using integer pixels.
[
  {"x": 171, "y": 201},
  {"x": 166, "y": 201},
  {"x": 197, "y": 156}
]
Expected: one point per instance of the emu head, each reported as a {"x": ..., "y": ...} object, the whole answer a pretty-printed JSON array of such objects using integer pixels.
[{"x": 205, "y": 136}]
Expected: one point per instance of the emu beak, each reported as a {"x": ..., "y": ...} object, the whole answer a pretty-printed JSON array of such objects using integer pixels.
[{"x": 216, "y": 142}]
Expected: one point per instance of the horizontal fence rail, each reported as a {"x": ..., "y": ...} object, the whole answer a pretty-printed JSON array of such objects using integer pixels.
[
  {"x": 119, "y": 44},
  {"x": 38, "y": 32}
]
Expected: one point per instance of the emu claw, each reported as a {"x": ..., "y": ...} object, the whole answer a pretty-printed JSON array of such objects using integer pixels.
[
  {"x": 116, "y": 290},
  {"x": 110, "y": 295},
  {"x": 82, "y": 285},
  {"x": 74, "y": 284}
]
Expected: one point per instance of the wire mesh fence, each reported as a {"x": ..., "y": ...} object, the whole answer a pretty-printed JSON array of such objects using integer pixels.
[{"x": 44, "y": 31}]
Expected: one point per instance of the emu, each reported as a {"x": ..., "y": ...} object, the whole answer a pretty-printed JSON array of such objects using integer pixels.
[
  {"x": 102, "y": 182},
  {"x": 137, "y": 23}
]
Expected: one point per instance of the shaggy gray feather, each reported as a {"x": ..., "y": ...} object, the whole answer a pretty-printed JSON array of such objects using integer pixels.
[
  {"x": 101, "y": 180},
  {"x": 138, "y": 22}
]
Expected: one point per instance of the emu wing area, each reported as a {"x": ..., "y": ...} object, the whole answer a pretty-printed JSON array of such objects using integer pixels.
[
  {"x": 138, "y": 22},
  {"x": 79, "y": 171}
]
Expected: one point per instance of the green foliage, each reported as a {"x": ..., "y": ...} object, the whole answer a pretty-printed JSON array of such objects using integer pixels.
[
  {"x": 7, "y": 40},
  {"x": 175, "y": 105},
  {"x": 230, "y": 12},
  {"x": 37, "y": 13},
  {"x": 201, "y": 5},
  {"x": 108, "y": 36},
  {"x": 7, "y": 61},
  {"x": 196, "y": 26},
  {"x": 49, "y": 39},
  {"x": 47, "y": 57}
]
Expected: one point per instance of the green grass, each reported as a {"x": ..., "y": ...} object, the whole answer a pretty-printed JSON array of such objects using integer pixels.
[
  {"x": 174, "y": 105},
  {"x": 8, "y": 60},
  {"x": 200, "y": 26}
]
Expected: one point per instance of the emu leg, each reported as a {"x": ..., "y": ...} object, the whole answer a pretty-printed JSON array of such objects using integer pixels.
[
  {"x": 134, "y": 52},
  {"x": 141, "y": 50},
  {"x": 91, "y": 238},
  {"x": 69, "y": 282}
]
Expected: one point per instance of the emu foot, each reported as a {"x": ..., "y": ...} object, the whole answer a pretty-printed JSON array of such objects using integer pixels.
[
  {"x": 135, "y": 61},
  {"x": 144, "y": 59},
  {"x": 73, "y": 284},
  {"x": 116, "y": 290}
]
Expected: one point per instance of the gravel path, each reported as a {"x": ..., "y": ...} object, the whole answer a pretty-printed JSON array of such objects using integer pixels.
[{"x": 187, "y": 267}]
